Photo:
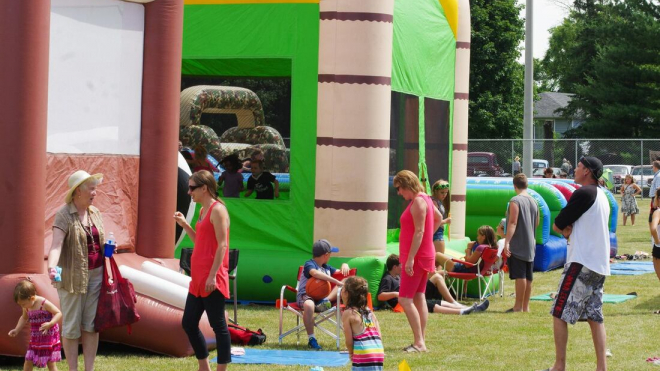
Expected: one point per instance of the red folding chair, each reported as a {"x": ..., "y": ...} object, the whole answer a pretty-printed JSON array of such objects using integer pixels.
[
  {"x": 332, "y": 316},
  {"x": 484, "y": 274}
]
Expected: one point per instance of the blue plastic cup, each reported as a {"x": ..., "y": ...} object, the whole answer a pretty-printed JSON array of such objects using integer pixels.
[{"x": 109, "y": 250}]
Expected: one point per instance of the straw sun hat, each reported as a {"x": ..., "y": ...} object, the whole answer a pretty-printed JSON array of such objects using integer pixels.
[{"x": 76, "y": 179}]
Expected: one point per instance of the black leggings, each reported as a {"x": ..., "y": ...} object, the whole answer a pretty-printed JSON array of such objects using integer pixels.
[{"x": 214, "y": 305}]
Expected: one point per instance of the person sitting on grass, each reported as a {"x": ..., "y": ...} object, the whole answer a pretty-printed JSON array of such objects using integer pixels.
[
  {"x": 485, "y": 239},
  {"x": 318, "y": 267},
  {"x": 438, "y": 297}
]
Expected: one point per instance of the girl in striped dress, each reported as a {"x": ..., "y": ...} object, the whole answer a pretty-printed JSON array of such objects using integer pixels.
[
  {"x": 361, "y": 328},
  {"x": 45, "y": 347}
]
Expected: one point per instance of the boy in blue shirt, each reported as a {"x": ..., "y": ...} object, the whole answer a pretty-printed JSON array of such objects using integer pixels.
[{"x": 318, "y": 267}]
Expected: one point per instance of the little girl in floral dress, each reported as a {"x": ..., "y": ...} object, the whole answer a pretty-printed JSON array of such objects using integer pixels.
[{"x": 43, "y": 316}]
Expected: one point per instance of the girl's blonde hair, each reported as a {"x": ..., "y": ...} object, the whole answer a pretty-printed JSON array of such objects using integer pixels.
[
  {"x": 437, "y": 187},
  {"x": 489, "y": 235},
  {"x": 357, "y": 291},
  {"x": 24, "y": 290},
  {"x": 629, "y": 176},
  {"x": 408, "y": 180}
]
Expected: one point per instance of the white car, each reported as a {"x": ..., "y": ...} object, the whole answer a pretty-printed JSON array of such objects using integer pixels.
[
  {"x": 643, "y": 176},
  {"x": 619, "y": 172}
]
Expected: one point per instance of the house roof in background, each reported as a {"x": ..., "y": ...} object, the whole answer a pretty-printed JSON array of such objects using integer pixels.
[{"x": 549, "y": 103}]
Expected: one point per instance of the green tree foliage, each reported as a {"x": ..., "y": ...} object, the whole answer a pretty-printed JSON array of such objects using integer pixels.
[
  {"x": 608, "y": 54},
  {"x": 496, "y": 78}
]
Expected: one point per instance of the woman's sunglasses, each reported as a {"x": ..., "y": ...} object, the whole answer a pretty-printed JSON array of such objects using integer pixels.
[{"x": 192, "y": 188}]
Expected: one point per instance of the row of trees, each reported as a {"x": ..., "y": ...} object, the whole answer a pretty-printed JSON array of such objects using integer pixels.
[{"x": 606, "y": 52}]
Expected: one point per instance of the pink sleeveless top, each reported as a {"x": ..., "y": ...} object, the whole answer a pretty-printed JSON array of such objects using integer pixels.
[
  {"x": 203, "y": 254},
  {"x": 425, "y": 258}
]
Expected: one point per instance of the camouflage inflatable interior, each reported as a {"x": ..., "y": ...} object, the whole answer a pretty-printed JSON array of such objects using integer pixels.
[{"x": 250, "y": 134}]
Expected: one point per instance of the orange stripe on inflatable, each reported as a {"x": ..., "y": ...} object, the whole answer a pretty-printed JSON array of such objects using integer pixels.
[{"x": 215, "y": 2}]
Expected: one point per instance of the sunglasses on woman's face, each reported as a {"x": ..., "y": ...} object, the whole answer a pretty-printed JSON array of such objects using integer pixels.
[{"x": 193, "y": 187}]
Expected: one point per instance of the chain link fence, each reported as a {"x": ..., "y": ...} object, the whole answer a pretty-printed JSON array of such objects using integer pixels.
[{"x": 635, "y": 156}]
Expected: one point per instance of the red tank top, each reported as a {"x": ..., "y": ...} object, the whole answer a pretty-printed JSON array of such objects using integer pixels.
[
  {"x": 203, "y": 254},
  {"x": 425, "y": 257}
]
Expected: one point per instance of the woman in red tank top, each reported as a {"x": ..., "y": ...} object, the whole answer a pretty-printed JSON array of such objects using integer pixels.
[
  {"x": 209, "y": 270},
  {"x": 418, "y": 222}
]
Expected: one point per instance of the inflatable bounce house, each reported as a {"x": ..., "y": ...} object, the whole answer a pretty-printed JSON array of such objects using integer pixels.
[
  {"x": 376, "y": 86},
  {"x": 487, "y": 203}
]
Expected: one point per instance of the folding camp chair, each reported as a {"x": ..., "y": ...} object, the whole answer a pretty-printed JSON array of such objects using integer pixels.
[
  {"x": 486, "y": 262},
  {"x": 332, "y": 316},
  {"x": 233, "y": 272},
  {"x": 184, "y": 264}
]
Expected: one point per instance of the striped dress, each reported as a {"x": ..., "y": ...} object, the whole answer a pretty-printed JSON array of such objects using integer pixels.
[
  {"x": 368, "y": 352},
  {"x": 46, "y": 347}
]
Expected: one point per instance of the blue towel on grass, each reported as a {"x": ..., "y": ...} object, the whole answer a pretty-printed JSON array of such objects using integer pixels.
[
  {"x": 631, "y": 268},
  {"x": 291, "y": 357}
]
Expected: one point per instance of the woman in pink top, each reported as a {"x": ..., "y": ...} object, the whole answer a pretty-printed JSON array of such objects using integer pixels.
[
  {"x": 209, "y": 270},
  {"x": 418, "y": 222}
]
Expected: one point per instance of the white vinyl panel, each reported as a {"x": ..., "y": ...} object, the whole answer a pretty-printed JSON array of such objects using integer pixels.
[{"x": 95, "y": 77}]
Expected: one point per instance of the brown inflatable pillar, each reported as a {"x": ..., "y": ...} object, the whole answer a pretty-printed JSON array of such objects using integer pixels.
[
  {"x": 460, "y": 135},
  {"x": 161, "y": 81},
  {"x": 353, "y": 129},
  {"x": 24, "y": 36}
]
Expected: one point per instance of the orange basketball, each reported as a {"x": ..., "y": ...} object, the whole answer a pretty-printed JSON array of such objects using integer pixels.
[{"x": 317, "y": 289}]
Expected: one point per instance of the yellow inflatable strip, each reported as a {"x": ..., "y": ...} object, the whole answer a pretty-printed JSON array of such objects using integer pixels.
[
  {"x": 451, "y": 12},
  {"x": 213, "y": 2}
]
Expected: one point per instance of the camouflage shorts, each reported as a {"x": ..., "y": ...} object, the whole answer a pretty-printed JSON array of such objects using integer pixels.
[{"x": 580, "y": 295}]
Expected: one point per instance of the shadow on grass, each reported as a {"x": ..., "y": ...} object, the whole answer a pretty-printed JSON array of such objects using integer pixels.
[
  {"x": 11, "y": 361},
  {"x": 650, "y": 304}
]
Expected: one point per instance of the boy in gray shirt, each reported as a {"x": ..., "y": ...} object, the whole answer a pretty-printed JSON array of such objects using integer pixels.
[{"x": 520, "y": 242}]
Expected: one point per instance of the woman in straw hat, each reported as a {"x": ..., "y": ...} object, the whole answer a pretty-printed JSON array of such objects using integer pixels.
[{"x": 77, "y": 239}]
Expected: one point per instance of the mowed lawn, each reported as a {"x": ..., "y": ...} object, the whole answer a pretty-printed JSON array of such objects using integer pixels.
[{"x": 493, "y": 340}]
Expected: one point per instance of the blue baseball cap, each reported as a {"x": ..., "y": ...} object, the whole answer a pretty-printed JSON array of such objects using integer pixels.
[{"x": 322, "y": 247}]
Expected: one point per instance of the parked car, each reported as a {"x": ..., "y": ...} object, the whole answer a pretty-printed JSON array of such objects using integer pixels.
[
  {"x": 643, "y": 176},
  {"x": 538, "y": 173},
  {"x": 539, "y": 164},
  {"x": 619, "y": 172},
  {"x": 484, "y": 164}
]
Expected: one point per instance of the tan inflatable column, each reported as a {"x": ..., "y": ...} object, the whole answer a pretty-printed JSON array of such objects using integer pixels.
[
  {"x": 460, "y": 137},
  {"x": 24, "y": 38},
  {"x": 352, "y": 152},
  {"x": 163, "y": 38}
]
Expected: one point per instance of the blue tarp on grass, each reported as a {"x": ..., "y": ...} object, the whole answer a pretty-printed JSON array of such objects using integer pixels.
[
  {"x": 291, "y": 357},
  {"x": 631, "y": 268}
]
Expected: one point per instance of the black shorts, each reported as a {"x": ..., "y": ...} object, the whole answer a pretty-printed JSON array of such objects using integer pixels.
[
  {"x": 656, "y": 252},
  {"x": 432, "y": 292},
  {"x": 430, "y": 304},
  {"x": 653, "y": 208},
  {"x": 520, "y": 269}
]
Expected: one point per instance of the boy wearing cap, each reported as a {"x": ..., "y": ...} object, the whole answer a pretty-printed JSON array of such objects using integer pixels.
[
  {"x": 584, "y": 223},
  {"x": 318, "y": 267}
]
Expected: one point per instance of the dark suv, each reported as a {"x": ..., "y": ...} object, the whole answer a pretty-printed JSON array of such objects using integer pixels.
[{"x": 483, "y": 164}]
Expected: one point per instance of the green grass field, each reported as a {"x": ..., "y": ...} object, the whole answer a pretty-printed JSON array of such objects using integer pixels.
[{"x": 493, "y": 340}]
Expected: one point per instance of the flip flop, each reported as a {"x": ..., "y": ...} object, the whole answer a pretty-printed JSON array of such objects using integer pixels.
[
  {"x": 411, "y": 349},
  {"x": 510, "y": 310}
]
